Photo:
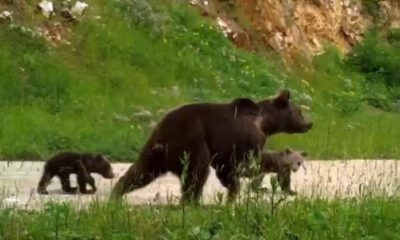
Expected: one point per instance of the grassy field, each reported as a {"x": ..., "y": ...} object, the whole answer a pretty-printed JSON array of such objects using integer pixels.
[
  {"x": 369, "y": 218},
  {"x": 126, "y": 57}
]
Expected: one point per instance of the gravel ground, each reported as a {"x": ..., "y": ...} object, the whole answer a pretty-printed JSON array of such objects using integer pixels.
[{"x": 324, "y": 179}]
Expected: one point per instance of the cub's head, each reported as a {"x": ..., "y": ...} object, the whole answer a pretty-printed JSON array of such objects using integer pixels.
[
  {"x": 294, "y": 159},
  {"x": 102, "y": 166},
  {"x": 280, "y": 115}
]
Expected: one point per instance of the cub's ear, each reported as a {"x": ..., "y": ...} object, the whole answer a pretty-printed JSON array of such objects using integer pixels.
[
  {"x": 245, "y": 106},
  {"x": 288, "y": 150},
  {"x": 282, "y": 100},
  {"x": 303, "y": 153}
]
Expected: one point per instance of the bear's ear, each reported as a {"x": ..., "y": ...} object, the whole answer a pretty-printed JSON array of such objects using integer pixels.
[
  {"x": 245, "y": 106},
  {"x": 282, "y": 100},
  {"x": 303, "y": 153}
]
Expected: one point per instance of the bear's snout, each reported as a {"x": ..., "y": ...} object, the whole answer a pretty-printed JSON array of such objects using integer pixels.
[{"x": 305, "y": 127}]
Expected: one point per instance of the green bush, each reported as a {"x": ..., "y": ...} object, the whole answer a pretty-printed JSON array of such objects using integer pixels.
[
  {"x": 393, "y": 36},
  {"x": 377, "y": 60},
  {"x": 347, "y": 103},
  {"x": 372, "y": 8},
  {"x": 378, "y": 96},
  {"x": 141, "y": 13}
]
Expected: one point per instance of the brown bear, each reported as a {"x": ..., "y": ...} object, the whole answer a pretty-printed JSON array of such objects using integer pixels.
[
  {"x": 82, "y": 164},
  {"x": 222, "y": 135},
  {"x": 280, "y": 162}
]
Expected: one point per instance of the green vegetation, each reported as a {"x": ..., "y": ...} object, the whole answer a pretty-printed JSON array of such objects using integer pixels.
[
  {"x": 298, "y": 219},
  {"x": 372, "y": 8},
  {"x": 127, "y": 56}
]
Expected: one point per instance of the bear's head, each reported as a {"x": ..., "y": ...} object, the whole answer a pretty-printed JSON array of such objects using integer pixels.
[
  {"x": 102, "y": 166},
  {"x": 280, "y": 115},
  {"x": 294, "y": 159}
]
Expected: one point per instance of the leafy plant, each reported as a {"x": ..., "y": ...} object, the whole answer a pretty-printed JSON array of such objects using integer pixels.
[
  {"x": 372, "y": 8},
  {"x": 393, "y": 36}
]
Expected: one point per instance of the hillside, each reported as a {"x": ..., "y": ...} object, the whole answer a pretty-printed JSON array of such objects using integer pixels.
[
  {"x": 101, "y": 82},
  {"x": 300, "y": 27}
]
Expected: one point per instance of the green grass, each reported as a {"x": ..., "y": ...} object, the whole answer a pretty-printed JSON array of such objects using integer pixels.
[
  {"x": 144, "y": 56},
  {"x": 370, "y": 218},
  {"x": 369, "y": 135}
]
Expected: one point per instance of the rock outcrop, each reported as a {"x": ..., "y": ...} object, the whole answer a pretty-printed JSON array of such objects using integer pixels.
[{"x": 300, "y": 26}]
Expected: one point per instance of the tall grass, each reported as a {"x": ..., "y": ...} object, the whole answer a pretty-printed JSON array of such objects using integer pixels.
[{"x": 299, "y": 219}]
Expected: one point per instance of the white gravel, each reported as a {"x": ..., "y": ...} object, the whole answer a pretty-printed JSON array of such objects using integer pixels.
[{"x": 324, "y": 179}]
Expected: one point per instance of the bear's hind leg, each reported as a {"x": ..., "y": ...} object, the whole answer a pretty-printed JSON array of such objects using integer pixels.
[{"x": 194, "y": 173}]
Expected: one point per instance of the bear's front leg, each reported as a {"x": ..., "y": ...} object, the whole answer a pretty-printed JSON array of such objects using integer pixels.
[{"x": 229, "y": 178}]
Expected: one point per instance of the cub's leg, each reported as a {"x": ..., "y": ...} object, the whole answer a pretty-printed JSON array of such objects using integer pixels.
[
  {"x": 66, "y": 184},
  {"x": 83, "y": 179},
  {"x": 284, "y": 181},
  {"x": 92, "y": 183},
  {"x": 44, "y": 181}
]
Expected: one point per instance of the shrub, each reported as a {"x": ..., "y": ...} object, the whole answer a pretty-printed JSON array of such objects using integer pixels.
[
  {"x": 372, "y": 8},
  {"x": 141, "y": 13},
  {"x": 377, "y": 60},
  {"x": 347, "y": 102},
  {"x": 393, "y": 36},
  {"x": 378, "y": 96}
]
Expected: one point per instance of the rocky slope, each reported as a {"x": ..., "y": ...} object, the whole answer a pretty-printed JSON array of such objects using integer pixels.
[{"x": 301, "y": 26}]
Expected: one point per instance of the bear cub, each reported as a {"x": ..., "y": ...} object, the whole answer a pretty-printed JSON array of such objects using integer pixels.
[
  {"x": 280, "y": 162},
  {"x": 82, "y": 164}
]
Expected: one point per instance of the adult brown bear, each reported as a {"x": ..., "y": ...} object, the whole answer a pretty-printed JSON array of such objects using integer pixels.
[{"x": 204, "y": 134}]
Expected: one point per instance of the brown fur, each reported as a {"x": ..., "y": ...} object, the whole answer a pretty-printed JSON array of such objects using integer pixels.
[
  {"x": 220, "y": 135},
  {"x": 66, "y": 163},
  {"x": 281, "y": 162}
]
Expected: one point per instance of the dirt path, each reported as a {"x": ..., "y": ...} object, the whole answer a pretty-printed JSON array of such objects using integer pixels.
[{"x": 321, "y": 179}]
